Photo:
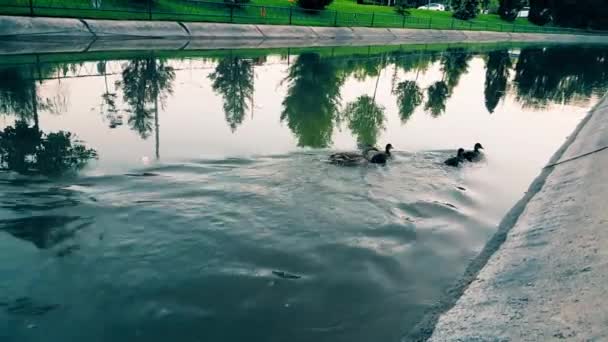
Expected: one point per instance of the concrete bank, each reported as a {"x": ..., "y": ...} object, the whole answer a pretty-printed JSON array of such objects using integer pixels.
[
  {"x": 21, "y": 35},
  {"x": 548, "y": 280}
]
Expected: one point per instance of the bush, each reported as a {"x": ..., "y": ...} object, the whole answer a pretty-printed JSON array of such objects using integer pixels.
[
  {"x": 235, "y": 3},
  {"x": 314, "y": 4},
  {"x": 540, "y": 17},
  {"x": 465, "y": 9},
  {"x": 401, "y": 6}
]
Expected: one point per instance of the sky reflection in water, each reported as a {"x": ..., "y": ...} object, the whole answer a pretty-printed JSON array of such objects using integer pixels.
[{"x": 190, "y": 198}]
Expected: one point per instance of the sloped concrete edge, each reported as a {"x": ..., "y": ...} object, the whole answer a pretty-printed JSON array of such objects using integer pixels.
[
  {"x": 542, "y": 276},
  {"x": 13, "y": 27},
  {"x": 135, "y": 28}
]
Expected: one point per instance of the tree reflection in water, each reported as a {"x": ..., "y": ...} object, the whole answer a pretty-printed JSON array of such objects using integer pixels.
[
  {"x": 27, "y": 150},
  {"x": 312, "y": 100},
  {"x": 233, "y": 79},
  {"x": 311, "y": 107},
  {"x": 498, "y": 66},
  {"x": 365, "y": 119},
  {"x": 145, "y": 83}
]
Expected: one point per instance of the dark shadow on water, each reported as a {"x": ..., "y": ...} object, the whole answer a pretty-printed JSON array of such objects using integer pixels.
[
  {"x": 43, "y": 231},
  {"x": 25, "y": 306}
]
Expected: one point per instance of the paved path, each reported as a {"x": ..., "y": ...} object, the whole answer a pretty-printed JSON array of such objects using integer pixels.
[{"x": 31, "y": 35}]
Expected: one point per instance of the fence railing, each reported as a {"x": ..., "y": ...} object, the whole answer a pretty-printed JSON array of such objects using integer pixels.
[{"x": 205, "y": 11}]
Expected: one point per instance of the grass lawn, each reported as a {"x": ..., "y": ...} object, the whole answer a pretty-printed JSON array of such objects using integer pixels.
[
  {"x": 326, "y": 52},
  {"x": 339, "y": 13}
]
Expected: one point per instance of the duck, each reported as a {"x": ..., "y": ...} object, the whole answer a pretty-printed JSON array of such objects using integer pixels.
[
  {"x": 474, "y": 155},
  {"x": 347, "y": 158},
  {"x": 369, "y": 155},
  {"x": 374, "y": 156},
  {"x": 455, "y": 161}
]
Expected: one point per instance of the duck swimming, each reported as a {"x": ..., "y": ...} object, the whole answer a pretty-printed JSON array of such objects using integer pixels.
[
  {"x": 369, "y": 155},
  {"x": 455, "y": 161},
  {"x": 347, "y": 158},
  {"x": 376, "y": 157},
  {"x": 474, "y": 155}
]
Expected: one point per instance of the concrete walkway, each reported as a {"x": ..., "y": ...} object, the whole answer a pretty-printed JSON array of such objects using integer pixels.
[
  {"x": 548, "y": 281},
  {"x": 20, "y": 35}
]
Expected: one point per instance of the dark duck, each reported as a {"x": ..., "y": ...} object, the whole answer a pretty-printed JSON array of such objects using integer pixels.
[
  {"x": 475, "y": 154},
  {"x": 455, "y": 161},
  {"x": 374, "y": 156}
]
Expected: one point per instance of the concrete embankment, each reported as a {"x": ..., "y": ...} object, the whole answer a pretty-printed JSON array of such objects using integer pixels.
[
  {"x": 544, "y": 276},
  {"x": 20, "y": 35}
]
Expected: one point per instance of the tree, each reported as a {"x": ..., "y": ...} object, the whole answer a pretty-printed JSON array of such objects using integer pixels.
[
  {"x": 314, "y": 4},
  {"x": 465, "y": 9},
  {"x": 454, "y": 64},
  {"x": 563, "y": 75},
  {"x": 17, "y": 146},
  {"x": 311, "y": 104},
  {"x": 26, "y": 149},
  {"x": 437, "y": 95},
  {"x": 498, "y": 66},
  {"x": 401, "y": 6},
  {"x": 108, "y": 108},
  {"x": 145, "y": 83},
  {"x": 580, "y": 13},
  {"x": 19, "y": 94},
  {"x": 59, "y": 152},
  {"x": 363, "y": 68},
  {"x": 409, "y": 97},
  {"x": 365, "y": 119},
  {"x": 418, "y": 61},
  {"x": 233, "y": 79}
]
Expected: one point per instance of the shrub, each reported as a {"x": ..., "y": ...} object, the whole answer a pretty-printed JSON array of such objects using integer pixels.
[
  {"x": 401, "y": 6},
  {"x": 314, "y": 4},
  {"x": 465, "y": 9}
]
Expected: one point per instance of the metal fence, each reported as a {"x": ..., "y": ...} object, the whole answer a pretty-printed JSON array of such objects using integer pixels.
[{"x": 195, "y": 10}]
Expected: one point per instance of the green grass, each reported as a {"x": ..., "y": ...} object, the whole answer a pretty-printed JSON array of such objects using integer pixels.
[
  {"x": 325, "y": 52},
  {"x": 339, "y": 13}
]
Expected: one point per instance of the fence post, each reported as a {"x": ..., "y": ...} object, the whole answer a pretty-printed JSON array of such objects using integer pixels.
[
  {"x": 403, "y": 22},
  {"x": 231, "y": 14},
  {"x": 290, "y": 13},
  {"x": 373, "y": 15},
  {"x": 513, "y": 28},
  {"x": 336, "y": 18},
  {"x": 32, "y": 8},
  {"x": 150, "y": 9},
  {"x": 470, "y": 25},
  {"x": 430, "y": 22},
  {"x": 452, "y": 23}
]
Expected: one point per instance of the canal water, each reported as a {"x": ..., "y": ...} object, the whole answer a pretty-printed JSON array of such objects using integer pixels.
[{"x": 156, "y": 196}]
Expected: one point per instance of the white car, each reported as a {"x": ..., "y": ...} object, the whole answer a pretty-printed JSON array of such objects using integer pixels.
[
  {"x": 433, "y": 7},
  {"x": 524, "y": 13}
]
